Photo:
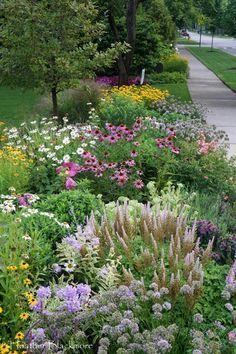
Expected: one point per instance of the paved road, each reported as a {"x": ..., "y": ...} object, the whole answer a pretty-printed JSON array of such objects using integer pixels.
[
  {"x": 226, "y": 44},
  {"x": 207, "y": 89}
]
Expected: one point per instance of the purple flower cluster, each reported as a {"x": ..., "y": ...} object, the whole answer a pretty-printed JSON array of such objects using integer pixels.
[
  {"x": 113, "y": 80},
  {"x": 72, "y": 298},
  {"x": 206, "y": 230},
  {"x": 176, "y": 106}
]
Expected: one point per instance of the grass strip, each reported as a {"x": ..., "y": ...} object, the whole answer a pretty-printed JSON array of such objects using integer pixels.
[
  {"x": 179, "y": 90},
  {"x": 16, "y": 105},
  {"x": 221, "y": 63}
]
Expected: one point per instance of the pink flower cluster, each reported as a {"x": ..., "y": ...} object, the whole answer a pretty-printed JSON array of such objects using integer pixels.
[
  {"x": 121, "y": 171},
  {"x": 168, "y": 141},
  {"x": 203, "y": 147}
]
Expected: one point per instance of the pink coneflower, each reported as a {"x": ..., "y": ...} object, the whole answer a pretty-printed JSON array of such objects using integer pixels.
[
  {"x": 98, "y": 174},
  {"x": 175, "y": 150},
  {"x": 138, "y": 184},
  {"x": 86, "y": 155},
  {"x": 122, "y": 180},
  {"x": 136, "y": 143},
  {"x": 130, "y": 137},
  {"x": 133, "y": 153},
  {"x": 130, "y": 163},
  {"x": 112, "y": 139}
]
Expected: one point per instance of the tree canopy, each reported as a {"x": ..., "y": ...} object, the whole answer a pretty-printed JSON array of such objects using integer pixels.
[{"x": 51, "y": 44}]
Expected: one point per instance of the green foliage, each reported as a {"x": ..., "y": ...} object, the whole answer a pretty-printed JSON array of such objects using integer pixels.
[
  {"x": 123, "y": 110},
  {"x": 60, "y": 213},
  {"x": 213, "y": 286},
  {"x": 45, "y": 46},
  {"x": 17, "y": 250},
  {"x": 168, "y": 77},
  {"x": 155, "y": 33},
  {"x": 43, "y": 179},
  {"x": 72, "y": 207},
  {"x": 176, "y": 63},
  {"x": 74, "y": 103},
  {"x": 182, "y": 12},
  {"x": 229, "y": 18},
  {"x": 211, "y": 172}
]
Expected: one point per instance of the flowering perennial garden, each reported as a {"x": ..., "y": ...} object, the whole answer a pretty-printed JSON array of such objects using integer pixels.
[{"x": 118, "y": 236}]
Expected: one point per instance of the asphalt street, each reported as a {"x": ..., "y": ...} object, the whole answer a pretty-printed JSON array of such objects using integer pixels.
[{"x": 226, "y": 44}]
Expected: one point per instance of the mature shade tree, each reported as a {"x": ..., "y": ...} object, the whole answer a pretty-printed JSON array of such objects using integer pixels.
[
  {"x": 155, "y": 35},
  {"x": 182, "y": 12},
  {"x": 229, "y": 22},
  {"x": 145, "y": 25},
  {"x": 50, "y": 45},
  {"x": 212, "y": 11}
]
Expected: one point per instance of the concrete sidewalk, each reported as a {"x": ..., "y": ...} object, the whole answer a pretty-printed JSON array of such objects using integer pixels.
[{"x": 220, "y": 101}]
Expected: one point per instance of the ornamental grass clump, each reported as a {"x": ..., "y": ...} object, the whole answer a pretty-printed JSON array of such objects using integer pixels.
[{"x": 152, "y": 243}]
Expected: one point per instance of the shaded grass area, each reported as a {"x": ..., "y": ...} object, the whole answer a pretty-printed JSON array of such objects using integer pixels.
[
  {"x": 221, "y": 63},
  {"x": 179, "y": 90},
  {"x": 186, "y": 41},
  {"x": 16, "y": 105}
]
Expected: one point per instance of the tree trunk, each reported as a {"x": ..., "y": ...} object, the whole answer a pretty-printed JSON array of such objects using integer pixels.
[
  {"x": 131, "y": 34},
  {"x": 123, "y": 76},
  {"x": 124, "y": 62},
  {"x": 54, "y": 102},
  {"x": 212, "y": 39},
  {"x": 200, "y": 40}
]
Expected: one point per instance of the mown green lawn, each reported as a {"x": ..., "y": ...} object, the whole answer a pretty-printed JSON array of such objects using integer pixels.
[
  {"x": 178, "y": 90},
  {"x": 186, "y": 41},
  {"x": 221, "y": 63},
  {"x": 16, "y": 105}
]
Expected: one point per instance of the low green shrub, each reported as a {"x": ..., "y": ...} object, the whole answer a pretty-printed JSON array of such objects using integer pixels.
[
  {"x": 168, "y": 78},
  {"x": 176, "y": 63},
  {"x": 59, "y": 214},
  {"x": 123, "y": 110},
  {"x": 72, "y": 207}
]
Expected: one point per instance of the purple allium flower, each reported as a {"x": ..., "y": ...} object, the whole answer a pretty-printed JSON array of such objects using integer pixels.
[
  {"x": 167, "y": 306},
  {"x": 198, "y": 318},
  {"x": 164, "y": 345},
  {"x": 229, "y": 307},
  {"x": 186, "y": 290},
  {"x": 83, "y": 289}
]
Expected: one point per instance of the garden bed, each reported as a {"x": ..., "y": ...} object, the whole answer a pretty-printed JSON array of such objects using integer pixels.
[{"x": 118, "y": 235}]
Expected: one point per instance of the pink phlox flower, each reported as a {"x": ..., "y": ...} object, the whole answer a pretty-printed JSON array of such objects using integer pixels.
[{"x": 70, "y": 183}]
